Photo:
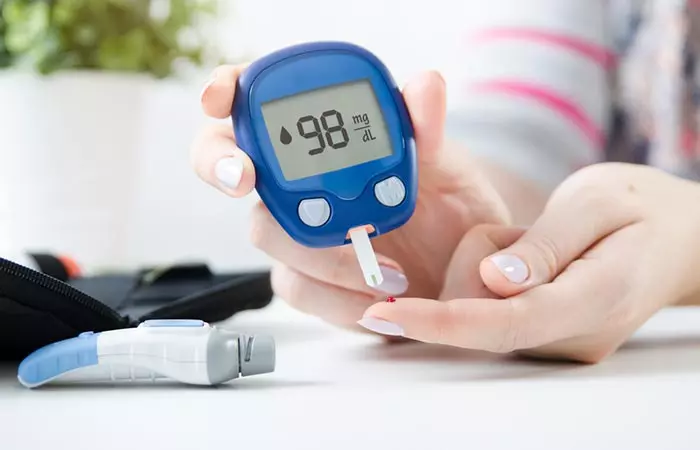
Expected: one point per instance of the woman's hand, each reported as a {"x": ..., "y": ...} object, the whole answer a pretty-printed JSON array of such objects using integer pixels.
[
  {"x": 615, "y": 244},
  {"x": 453, "y": 197}
]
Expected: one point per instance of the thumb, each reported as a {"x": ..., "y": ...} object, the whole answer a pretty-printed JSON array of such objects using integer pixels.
[
  {"x": 565, "y": 231},
  {"x": 462, "y": 278},
  {"x": 425, "y": 98}
]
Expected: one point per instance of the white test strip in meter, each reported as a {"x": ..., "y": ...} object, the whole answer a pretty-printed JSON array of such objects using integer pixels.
[{"x": 366, "y": 256}]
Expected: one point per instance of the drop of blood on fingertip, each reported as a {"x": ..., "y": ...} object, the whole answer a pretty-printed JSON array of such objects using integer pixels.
[{"x": 390, "y": 300}]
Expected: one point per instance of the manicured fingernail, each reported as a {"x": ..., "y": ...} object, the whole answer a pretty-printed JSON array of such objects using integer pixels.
[
  {"x": 229, "y": 172},
  {"x": 391, "y": 300},
  {"x": 381, "y": 326},
  {"x": 207, "y": 85},
  {"x": 395, "y": 282},
  {"x": 512, "y": 268}
]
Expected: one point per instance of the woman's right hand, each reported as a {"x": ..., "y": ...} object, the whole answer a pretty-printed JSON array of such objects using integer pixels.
[{"x": 453, "y": 197}]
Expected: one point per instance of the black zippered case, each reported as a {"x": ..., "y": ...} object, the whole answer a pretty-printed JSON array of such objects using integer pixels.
[{"x": 41, "y": 307}]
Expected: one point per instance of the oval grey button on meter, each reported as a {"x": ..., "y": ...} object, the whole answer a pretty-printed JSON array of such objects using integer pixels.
[
  {"x": 390, "y": 192},
  {"x": 314, "y": 212}
]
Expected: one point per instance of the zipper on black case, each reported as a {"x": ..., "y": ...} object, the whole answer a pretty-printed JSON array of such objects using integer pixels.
[{"x": 62, "y": 294}]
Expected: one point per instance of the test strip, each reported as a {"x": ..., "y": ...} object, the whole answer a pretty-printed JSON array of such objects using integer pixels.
[{"x": 366, "y": 256}]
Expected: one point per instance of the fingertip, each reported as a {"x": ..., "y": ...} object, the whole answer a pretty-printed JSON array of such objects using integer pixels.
[
  {"x": 381, "y": 326},
  {"x": 218, "y": 161},
  {"x": 436, "y": 82},
  {"x": 430, "y": 80},
  {"x": 505, "y": 274},
  {"x": 378, "y": 309},
  {"x": 235, "y": 174},
  {"x": 427, "y": 90},
  {"x": 399, "y": 317},
  {"x": 426, "y": 101},
  {"x": 218, "y": 92}
]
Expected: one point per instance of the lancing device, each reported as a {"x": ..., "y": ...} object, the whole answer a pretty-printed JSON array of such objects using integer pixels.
[
  {"x": 188, "y": 351},
  {"x": 332, "y": 143}
]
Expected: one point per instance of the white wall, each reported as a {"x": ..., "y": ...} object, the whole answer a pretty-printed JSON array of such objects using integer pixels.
[{"x": 408, "y": 35}]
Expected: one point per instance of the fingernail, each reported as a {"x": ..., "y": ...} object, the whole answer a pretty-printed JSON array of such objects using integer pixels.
[
  {"x": 395, "y": 282},
  {"x": 207, "y": 85},
  {"x": 512, "y": 268},
  {"x": 381, "y": 326},
  {"x": 391, "y": 300},
  {"x": 229, "y": 172}
]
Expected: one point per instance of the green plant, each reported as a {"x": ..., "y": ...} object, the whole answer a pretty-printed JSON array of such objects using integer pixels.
[
  {"x": 5, "y": 57},
  {"x": 144, "y": 36}
]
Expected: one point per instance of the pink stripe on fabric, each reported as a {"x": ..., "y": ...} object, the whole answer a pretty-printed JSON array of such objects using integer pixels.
[
  {"x": 590, "y": 50},
  {"x": 551, "y": 99}
]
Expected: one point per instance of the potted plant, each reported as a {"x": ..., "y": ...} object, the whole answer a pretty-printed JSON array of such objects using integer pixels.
[
  {"x": 76, "y": 78},
  {"x": 5, "y": 58}
]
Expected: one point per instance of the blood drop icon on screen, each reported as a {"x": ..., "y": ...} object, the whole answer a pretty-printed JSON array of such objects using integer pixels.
[{"x": 285, "y": 137}]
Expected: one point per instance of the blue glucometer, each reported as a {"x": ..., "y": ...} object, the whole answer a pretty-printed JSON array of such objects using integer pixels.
[{"x": 331, "y": 140}]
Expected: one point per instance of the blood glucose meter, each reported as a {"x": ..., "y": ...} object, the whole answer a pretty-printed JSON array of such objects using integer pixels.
[{"x": 332, "y": 144}]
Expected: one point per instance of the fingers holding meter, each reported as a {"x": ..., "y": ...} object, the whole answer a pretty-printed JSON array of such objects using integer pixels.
[{"x": 332, "y": 143}]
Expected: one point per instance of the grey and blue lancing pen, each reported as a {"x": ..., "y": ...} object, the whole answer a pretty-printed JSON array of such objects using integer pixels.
[{"x": 188, "y": 351}]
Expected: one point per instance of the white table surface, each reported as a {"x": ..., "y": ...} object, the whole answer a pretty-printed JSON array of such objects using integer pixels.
[{"x": 339, "y": 390}]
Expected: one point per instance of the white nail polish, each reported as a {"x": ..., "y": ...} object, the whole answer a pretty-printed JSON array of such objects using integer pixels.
[
  {"x": 381, "y": 326},
  {"x": 395, "y": 282},
  {"x": 512, "y": 268},
  {"x": 229, "y": 172}
]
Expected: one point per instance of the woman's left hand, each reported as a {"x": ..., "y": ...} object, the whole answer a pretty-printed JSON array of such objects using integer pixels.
[{"x": 615, "y": 244}]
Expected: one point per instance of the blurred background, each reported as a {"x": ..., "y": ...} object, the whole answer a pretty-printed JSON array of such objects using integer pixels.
[{"x": 99, "y": 102}]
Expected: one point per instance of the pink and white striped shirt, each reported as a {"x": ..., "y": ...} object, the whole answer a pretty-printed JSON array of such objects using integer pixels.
[{"x": 550, "y": 86}]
